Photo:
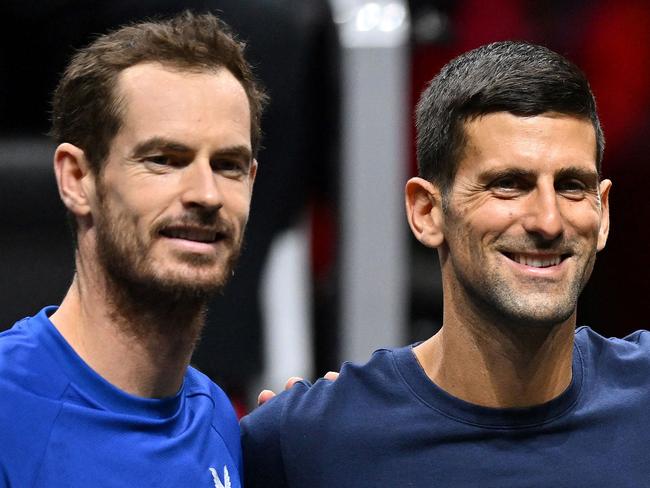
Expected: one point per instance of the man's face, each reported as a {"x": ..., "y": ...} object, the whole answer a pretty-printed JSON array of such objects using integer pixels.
[
  {"x": 174, "y": 193},
  {"x": 526, "y": 215}
]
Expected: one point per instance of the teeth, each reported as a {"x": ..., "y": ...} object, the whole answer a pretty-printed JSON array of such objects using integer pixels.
[{"x": 537, "y": 261}]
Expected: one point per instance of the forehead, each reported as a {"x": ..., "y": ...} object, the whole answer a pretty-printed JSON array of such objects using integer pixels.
[
  {"x": 157, "y": 97},
  {"x": 545, "y": 142}
]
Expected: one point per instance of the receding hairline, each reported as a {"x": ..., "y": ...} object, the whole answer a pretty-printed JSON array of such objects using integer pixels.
[
  {"x": 176, "y": 68},
  {"x": 120, "y": 97}
]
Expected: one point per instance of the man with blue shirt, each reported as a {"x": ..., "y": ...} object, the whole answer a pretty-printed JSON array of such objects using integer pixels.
[
  {"x": 508, "y": 393},
  {"x": 158, "y": 128}
]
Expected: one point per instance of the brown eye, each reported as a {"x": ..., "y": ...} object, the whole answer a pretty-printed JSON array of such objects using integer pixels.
[
  {"x": 572, "y": 188},
  {"x": 570, "y": 185},
  {"x": 508, "y": 183},
  {"x": 166, "y": 161},
  {"x": 508, "y": 186},
  {"x": 231, "y": 168},
  {"x": 160, "y": 160}
]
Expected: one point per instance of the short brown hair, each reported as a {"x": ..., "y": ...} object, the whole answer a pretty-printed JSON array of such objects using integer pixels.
[{"x": 85, "y": 108}]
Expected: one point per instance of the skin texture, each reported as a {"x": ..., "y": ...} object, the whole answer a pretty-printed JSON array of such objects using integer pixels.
[
  {"x": 196, "y": 177},
  {"x": 526, "y": 190},
  {"x": 161, "y": 225}
]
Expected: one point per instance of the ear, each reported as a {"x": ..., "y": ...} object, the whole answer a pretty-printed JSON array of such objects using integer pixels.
[
  {"x": 603, "y": 232},
  {"x": 252, "y": 172},
  {"x": 74, "y": 178},
  {"x": 424, "y": 211}
]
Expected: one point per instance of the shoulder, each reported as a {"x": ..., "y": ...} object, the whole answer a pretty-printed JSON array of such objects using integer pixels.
[
  {"x": 636, "y": 343},
  {"x": 27, "y": 363},
  {"x": 200, "y": 388},
  {"x": 15, "y": 339},
  {"x": 308, "y": 411},
  {"x": 355, "y": 384},
  {"x": 628, "y": 358},
  {"x": 25, "y": 360},
  {"x": 31, "y": 390},
  {"x": 204, "y": 394}
]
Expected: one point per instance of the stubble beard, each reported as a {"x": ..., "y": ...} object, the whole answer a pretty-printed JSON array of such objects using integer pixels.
[
  {"x": 497, "y": 295},
  {"x": 503, "y": 302},
  {"x": 145, "y": 301}
]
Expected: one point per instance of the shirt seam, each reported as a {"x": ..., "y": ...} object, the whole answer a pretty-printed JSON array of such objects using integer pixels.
[
  {"x": 46, "y": 445},
  {"x": 214, "y": 428}
]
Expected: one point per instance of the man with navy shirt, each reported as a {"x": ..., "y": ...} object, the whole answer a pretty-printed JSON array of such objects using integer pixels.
[
  {"x": 508, "y": 393},
  {"x": 158, "y": 128}
]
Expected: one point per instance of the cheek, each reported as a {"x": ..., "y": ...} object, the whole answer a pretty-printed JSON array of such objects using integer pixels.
[
  {"x": 237, "y": 200},
  {"x": 136, "y": 212},
  {"x": 493, "y": 219},
  {"x": 585, "y": 220},
  {"x": 589, "y": 229}
]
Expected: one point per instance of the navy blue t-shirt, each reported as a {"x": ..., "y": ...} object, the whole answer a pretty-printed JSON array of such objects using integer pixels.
[
  {"x": 386, "y": 424},
  {"x": 62, "y": 425}
]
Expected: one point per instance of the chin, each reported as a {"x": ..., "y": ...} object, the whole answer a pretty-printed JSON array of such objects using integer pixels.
[
  {"x": 195, "y": 282},
  {"x": 540, "y": 315},
  {"x": 167, "y": 285},
  {"x": 174, "y": 290}
]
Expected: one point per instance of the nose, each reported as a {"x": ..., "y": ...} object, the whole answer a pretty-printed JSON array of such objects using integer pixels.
[
  {"x": 200, "y": 186},
  {"x": 543, "y": 215}
]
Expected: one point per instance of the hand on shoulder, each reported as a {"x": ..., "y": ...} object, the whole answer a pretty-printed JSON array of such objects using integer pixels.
[{"x": 266, "y": 395}]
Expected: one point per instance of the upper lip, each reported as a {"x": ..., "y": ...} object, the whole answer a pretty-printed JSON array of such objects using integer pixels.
[{"x": 193, "y": 233}]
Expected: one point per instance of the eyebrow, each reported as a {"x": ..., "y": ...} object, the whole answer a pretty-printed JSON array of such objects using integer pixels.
[
  {"x": 168, "y": 145},
  {"x": 590, "y": 177},
  {"x": 494, "y": 174},
  {"x": 239, "y": 151}
]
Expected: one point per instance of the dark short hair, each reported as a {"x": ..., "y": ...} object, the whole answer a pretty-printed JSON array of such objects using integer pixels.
[
  {"x": 87, "y": 112},
  {"x": 517, "y": 77}
]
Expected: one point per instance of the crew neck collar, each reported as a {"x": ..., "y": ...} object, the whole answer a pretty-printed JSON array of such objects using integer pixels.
[
  {"x": 93, "y": 386},
  {"x": 507, "y": 418}
]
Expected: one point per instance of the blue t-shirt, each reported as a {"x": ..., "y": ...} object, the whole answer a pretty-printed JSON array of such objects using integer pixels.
[
  {"x": 386, "y": 424},
  {"x": 62, "y": 425}
]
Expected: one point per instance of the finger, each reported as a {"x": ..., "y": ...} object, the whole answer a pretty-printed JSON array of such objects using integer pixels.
[
  {"x": 292, "y": 381},
  {"x": 264, "y": 396},
  {"x": 331, "y": 375}
]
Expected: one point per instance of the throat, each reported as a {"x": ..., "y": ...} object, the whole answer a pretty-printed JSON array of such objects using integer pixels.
[
  {"x": 496, "y": 371},
  {"x": 167, "y": 330},
  {"x": 139, "y": 346},
  {"x": 167, "y": 317}
]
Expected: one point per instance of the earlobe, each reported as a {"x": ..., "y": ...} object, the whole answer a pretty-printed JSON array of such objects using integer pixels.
[
  {"x": 424, "y": 211},
  {"x": 603, "y": 231},
  {"x": 72, "y": 171}
]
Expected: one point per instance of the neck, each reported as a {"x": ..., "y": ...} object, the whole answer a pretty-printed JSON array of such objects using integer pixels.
[
  {"x": 498, "y": 366},
  {"x": 141, "y": 346}
]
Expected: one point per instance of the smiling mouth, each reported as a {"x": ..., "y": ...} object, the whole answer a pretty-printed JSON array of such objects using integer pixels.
[
  {"x": 537, "y": 260},
  {"x": 195, "y": 234}
]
